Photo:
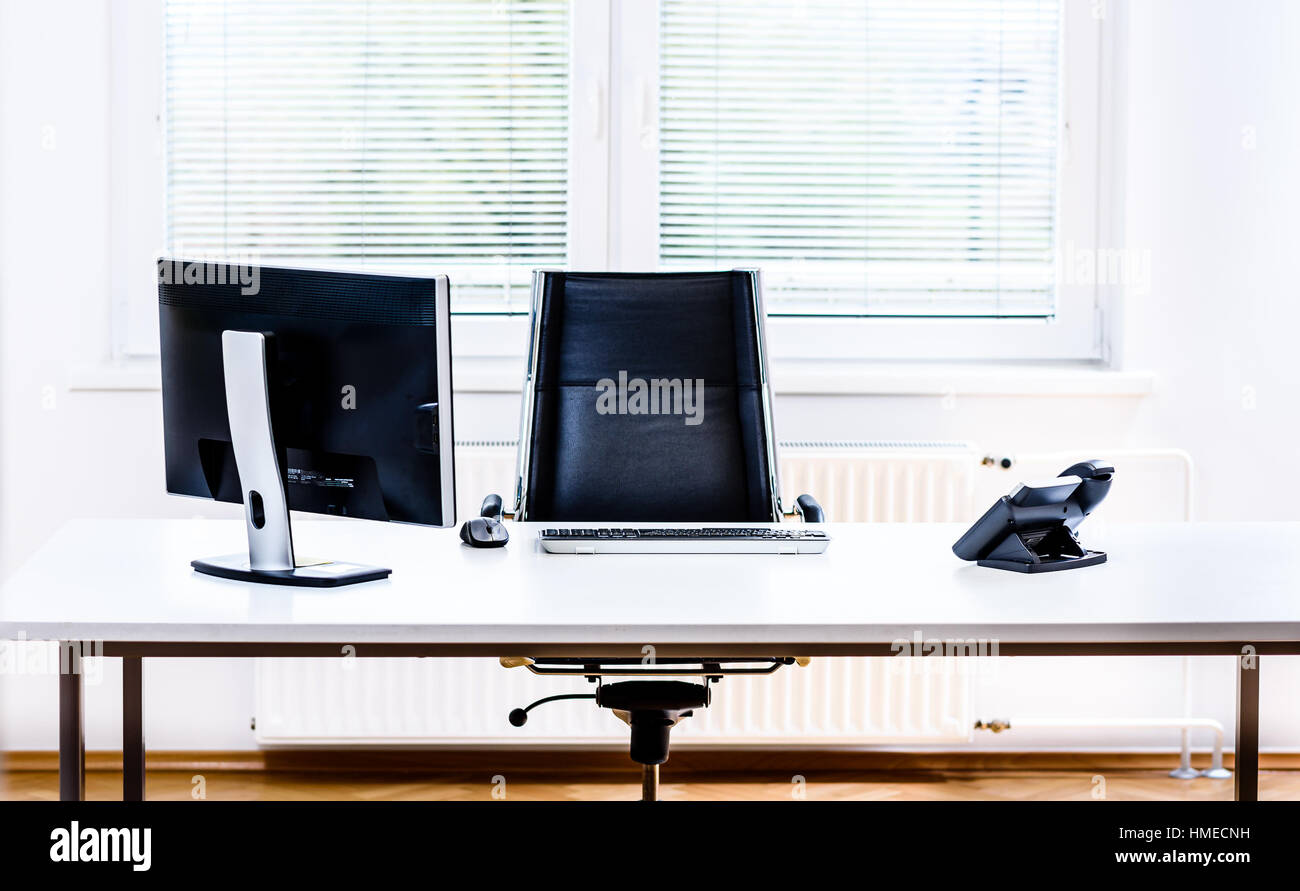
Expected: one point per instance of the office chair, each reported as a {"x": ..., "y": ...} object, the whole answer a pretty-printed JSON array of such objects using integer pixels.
[{"x": 576, "y": 463}]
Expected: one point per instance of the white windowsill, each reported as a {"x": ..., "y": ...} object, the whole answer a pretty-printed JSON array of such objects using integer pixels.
[
  {"x": 804, "y": 377},
  {"x": 867, "y": 378}
]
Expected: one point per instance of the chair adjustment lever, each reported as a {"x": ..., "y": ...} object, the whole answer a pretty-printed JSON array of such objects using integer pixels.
[{"x": 519, "y": 716}]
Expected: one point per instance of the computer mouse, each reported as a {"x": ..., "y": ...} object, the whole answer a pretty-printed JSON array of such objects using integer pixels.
[{"x": 484, "y": 532}]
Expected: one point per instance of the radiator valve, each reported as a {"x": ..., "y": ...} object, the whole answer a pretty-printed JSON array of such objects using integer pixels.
[{"x": 997, "y": 725}]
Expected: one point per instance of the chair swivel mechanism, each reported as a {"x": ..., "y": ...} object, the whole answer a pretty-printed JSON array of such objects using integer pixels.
[{"x": 577, "y": 463}]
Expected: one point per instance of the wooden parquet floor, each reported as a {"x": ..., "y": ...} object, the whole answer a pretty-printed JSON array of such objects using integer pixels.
[{"x": 947, "y": 785}]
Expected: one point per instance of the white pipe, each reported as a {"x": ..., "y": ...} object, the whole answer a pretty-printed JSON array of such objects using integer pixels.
[
  {"x": 1186, "y": 725},
  {"x": 1185, "y": 769},
  {"x": 1185, "y": 763}
]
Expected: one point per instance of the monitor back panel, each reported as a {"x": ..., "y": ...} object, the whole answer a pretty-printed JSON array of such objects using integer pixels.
[{"x": 354, "y": 371}]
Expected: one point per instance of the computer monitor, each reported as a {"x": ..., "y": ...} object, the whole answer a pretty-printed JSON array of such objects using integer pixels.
[{"x": 296, "y": 389}]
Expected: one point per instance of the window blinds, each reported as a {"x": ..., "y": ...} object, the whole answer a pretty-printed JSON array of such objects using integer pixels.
[
  {"x": 882, "y": 157},
  {"x": 424, "y": 136}
]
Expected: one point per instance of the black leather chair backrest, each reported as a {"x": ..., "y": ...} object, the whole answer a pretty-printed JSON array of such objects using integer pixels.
[{"x": 588, "y": 462}]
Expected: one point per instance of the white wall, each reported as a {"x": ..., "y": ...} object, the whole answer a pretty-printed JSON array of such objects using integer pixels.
[{"x": 1217, "y": 215}]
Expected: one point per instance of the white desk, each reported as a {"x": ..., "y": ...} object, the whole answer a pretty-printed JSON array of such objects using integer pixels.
[{"x": 1168, "y": 589}]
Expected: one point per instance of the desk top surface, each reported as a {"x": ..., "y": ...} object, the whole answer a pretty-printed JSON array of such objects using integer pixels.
[{"x": 130, "y": 581}]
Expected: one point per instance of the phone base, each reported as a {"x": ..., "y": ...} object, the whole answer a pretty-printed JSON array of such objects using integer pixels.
[{"x": 1048, "y": 564}]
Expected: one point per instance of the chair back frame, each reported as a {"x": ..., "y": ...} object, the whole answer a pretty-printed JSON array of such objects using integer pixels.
[{"x": 528, "y": 403}]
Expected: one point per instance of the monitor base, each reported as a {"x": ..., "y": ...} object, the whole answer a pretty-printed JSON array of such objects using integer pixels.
[{"x": 309, "y": 574}]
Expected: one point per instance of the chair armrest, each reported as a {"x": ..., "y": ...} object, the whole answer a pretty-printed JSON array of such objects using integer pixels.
[
  {"x": 809, "y": 510},
  {"x": 491, "y": 507}
]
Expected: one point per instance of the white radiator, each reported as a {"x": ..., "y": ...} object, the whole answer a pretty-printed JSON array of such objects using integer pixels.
[
  {"x": 879, "y": 482},
  {"x": 1151, "y": 485},
  {"x": 483, "y": 467},
  {"x": 833, "y": 701}
]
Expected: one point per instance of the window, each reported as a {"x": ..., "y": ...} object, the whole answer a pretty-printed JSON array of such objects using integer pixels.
[
  {"x": 906, "y": 163},
  {"x": 891, "y": 158},
  {"x": 393, "y": 134}
]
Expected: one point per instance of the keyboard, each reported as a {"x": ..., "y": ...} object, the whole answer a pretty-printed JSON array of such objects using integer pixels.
[{"x": 684, "y": 540}]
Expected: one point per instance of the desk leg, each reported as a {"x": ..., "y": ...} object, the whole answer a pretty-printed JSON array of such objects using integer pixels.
[
  {"x": 72, "y": 713},
  {"x": 1245, "y": 771},
  {"x": 132, "y": 728}
]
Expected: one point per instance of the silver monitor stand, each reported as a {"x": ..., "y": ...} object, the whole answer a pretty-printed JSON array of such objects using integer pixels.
[{"x": 270, "y": 557}]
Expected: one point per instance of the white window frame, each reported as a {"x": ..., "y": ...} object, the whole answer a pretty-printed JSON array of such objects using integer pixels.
[{"x": 614, "y": 202}]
